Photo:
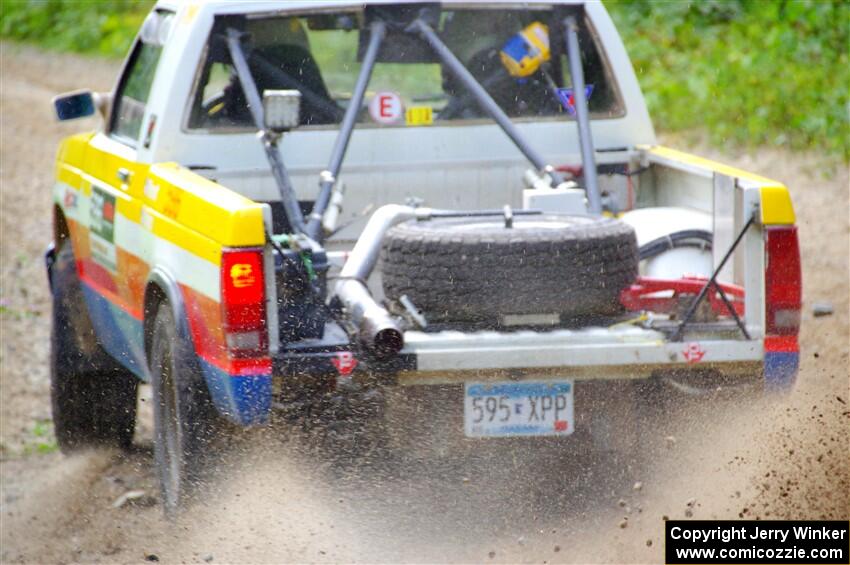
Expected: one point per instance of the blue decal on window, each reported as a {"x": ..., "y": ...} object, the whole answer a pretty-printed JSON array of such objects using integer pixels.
[{"x": 565, "y": 95}]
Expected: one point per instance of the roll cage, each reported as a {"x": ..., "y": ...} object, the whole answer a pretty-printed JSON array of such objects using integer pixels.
[{"x": 419, "y": 22}]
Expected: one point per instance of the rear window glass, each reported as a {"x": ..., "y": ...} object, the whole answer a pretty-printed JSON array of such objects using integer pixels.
[{"x": 517, "y": 55}]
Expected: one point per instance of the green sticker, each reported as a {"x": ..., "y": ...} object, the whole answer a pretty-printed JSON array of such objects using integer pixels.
[
  {"x": 102, "y": 213},
  {"x": 102, "y": 228}
]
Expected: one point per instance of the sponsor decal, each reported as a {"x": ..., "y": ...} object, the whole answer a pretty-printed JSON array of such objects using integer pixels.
[
  {"x": 386, "y": 108},
  {"x": 345, "y": 362},
  {"x": 70, "y": 200},
  {"x": 171, "y": 206},
  {"x": 568, "y": 99},
  {"x": 693, "y": 353},
  {"x": 151, "y": 190},
  {"x": 102, "y": 228},
  {"x": 149, "y": 131},
  {"x": 419, "y": 116}
]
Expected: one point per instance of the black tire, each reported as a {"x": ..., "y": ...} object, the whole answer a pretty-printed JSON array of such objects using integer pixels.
[
  {"x": 478, "y": 270},
  {"x": 93, "y": 397},
  {"x": 185, "y": 421}
]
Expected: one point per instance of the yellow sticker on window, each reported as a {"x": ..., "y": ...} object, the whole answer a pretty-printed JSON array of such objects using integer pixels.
[{"x": 419, "y": 116}]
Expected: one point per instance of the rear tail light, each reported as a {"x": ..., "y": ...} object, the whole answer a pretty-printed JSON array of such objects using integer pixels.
[
  {"x": 783, "y": 281},
  {"x": 243, "y": 302}
]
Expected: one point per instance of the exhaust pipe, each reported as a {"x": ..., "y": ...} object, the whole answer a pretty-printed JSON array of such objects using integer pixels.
[{"x": 377, "y": 330}]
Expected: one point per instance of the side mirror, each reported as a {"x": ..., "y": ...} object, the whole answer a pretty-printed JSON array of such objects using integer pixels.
[
  {"x": 282, "y": 110},
  {"x": 75, "y": 105}
]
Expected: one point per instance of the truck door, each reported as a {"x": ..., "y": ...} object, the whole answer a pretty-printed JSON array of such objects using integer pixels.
[{"x": 115, "y": 270}]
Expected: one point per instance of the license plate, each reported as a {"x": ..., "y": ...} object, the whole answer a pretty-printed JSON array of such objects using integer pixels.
[{"x": 518, "y": 409}]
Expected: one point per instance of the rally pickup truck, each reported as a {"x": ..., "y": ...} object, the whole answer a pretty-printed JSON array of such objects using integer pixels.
[{"x": 505, "y": 226}]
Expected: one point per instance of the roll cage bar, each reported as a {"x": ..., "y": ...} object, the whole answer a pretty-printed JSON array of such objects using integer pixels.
[{"x": 418, "y": 24}]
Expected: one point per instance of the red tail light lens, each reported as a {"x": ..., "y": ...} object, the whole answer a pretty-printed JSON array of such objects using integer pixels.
[
  {"x": 783, "y": 281},
  {"x": 243, "y": 302}
]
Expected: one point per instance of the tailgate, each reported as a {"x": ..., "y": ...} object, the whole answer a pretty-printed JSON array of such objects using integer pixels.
[{"x": 623, "y": 351}]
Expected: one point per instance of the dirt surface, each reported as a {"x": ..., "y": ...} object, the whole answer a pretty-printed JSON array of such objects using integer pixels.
[{"x": 287, "y": 499}]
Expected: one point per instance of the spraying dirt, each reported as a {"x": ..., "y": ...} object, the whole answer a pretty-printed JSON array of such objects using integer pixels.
[{"x": 281, "y": 495}]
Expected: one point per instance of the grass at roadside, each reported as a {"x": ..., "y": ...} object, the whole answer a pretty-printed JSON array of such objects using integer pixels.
[
  {"x": 747, "y": 72},
  {"x": 37, "y": 438},
  {"x": 750, "y": 72},
  {"x": 102, "y": 27}
]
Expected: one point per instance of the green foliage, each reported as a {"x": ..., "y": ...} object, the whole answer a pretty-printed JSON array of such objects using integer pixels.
[
  {"x": 104, "y": 27},
  {"x": 750, "y": 72},
  {"x": 335, "y": 52},
  {"x": 41, "y": 440}
]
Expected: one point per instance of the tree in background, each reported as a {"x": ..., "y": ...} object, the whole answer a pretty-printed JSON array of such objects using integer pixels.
[
  {"x": 747, "y": 72},
  {"x": 104, "y": 27}
]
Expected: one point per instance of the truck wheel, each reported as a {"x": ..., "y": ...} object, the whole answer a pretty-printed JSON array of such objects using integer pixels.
[
  {"x": 185, "y": 421},
  {"x": 93, "y": 397},
  {"x": 478, "y": 270}
]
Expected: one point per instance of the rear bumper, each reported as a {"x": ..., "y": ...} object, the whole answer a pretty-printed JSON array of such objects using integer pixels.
[
  {"x": 450, "y": 357},
  {"x": 588, "y": 354},
  {"x": 591, "y": 353}
]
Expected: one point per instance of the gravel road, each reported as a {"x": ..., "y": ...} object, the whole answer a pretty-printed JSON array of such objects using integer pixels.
[{"x": 288, "y": 500}]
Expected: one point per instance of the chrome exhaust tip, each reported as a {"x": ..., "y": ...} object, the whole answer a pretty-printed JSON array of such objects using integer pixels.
[
  {"x": 386, "y": 342},
  {"x": 376, "y": 329}
]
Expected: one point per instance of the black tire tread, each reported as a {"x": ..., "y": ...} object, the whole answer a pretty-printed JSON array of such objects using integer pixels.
[
  {"x": 93, "y": 397},
  {"x": 199, "y": 423},
  {"x": 454, "y": 274}
]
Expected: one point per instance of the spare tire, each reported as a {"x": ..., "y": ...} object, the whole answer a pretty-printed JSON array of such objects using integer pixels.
[{"x": 478, "y": 270}]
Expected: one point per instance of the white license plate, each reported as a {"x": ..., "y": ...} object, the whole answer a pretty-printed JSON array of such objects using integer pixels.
[{"x": 518, "y": 409}]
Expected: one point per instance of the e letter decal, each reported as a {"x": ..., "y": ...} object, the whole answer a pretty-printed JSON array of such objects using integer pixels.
[{"x": 386, "y": 108}]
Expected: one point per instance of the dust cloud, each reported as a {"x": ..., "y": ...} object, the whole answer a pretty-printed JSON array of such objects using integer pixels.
[{"x": 290, "y": 495}]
